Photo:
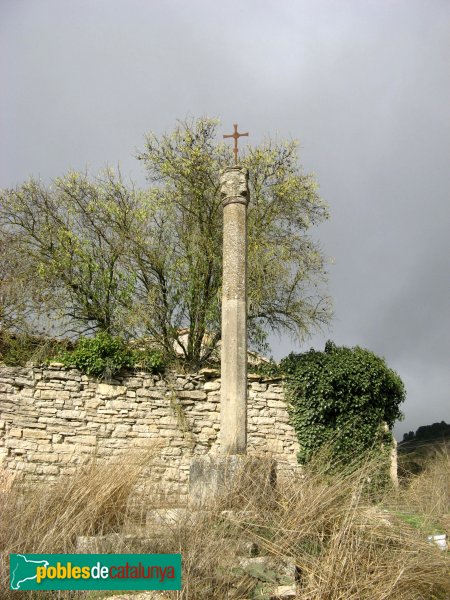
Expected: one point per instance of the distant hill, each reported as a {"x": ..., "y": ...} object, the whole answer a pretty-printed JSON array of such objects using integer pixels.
[{"x": 436, "y": 431}]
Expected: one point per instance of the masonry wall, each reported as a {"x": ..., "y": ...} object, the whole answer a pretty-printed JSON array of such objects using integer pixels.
[{"x": 53, "y": 419}]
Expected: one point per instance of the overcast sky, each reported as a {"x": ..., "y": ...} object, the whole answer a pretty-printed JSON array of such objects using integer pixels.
[{"x": 363, "y": 85}]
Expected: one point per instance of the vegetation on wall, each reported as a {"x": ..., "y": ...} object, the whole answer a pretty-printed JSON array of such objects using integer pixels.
[
  {"x": 102, "y": 355},
  {"x": 20, "y": 349},
  {"x": 105, "y": 355},
  {"x": 347, "y": 398}
]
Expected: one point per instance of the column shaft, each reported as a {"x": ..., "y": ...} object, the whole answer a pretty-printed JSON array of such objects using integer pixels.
[{"x": 233, "y": 406}]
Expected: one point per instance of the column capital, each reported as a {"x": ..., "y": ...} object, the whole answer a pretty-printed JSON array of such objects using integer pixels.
[{"x": 234, "y": 185}]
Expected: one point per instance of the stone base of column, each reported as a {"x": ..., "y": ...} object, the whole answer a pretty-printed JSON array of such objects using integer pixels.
[{"x": 226, "y": 479}]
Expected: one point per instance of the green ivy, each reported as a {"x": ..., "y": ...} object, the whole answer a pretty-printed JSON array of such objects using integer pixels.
[{"x": 342, "y": 398}]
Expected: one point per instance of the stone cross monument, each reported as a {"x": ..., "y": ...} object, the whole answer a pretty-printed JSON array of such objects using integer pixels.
[
  {"x": 211, "y": 475},
  {"x": 233, "y": 401}
]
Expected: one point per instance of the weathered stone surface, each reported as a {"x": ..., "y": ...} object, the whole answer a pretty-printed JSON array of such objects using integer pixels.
[
  {"x": 34, "y": 434},
  {"x": 71, "y": 414},
  {"x": 111, "y": 391},
  {"x": 208, "y": 372},
  {"x": 211, "y": 386},
  {"x": 54, "y": 393},
  {"x": 194, "y": 394},
  {"x": 254, "y": 377},
  {"x": 284, "y": 592},
  {"x": 235, "y": 196}
]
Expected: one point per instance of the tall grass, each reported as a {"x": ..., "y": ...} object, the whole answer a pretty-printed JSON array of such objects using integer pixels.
[
  {"x": 339, "y": 533},
  {"x": 340, "y": 536},
  {"x": 49, "y": 518}
]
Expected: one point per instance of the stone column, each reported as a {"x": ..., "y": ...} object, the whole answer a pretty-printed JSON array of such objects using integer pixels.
[{"x": 233, "y": 401}]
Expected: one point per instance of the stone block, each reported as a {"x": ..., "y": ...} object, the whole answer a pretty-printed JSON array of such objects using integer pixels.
[
  {"x": 254, "y": 377},
  {"x": 258, "y": 387},
  {"x": 133, "y": 383},
  {"x": 284, "y": 592},
  {"x": 71, "y": 414},
  {"x": 208, "y": 372},
  {"x": 72, "y": 386},
  {"x": 276, "y": 404},
  {"x": 273, "y": 395},
  {"x": 211, "y": 477},
  {"x": 53, "y": 394},
  {"x": 171, "y": 451},
  {"x": 209, "y": 431},
  {"x": 66, "y": 448},
  {"x": 140, "y": 428},
  {"x": 49, "y": 469},
  {"x": 193, "y": 395},
  {"x": 275, "y": 446},
  {"x": 47, "y": 411},
  {"x": 149, "y": 393},
  {"x": 93, "y": 403},
  {"x": 211, "y": 386},
  {"x": 263, "y": 421},
  {"x": 26, "y": 467},
  {"x": 111, "y": 391},
  {"x": 120, "y": 404},
  {"x": 23, "y": 382},
  {"x": 120, "y": 433},
  {"x": 85, "y": 440},
  {"x": 35, "y": 434},
  {"x": 168, "y": 420},
  {"x": 204, "y": 406},
  {"x": 43, "y": 446},
  {"x": 29, "y": 423},
  {"x": 45, "y": 457}
]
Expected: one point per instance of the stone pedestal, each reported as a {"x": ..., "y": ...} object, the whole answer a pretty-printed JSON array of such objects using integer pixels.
[
  {"x": 233, "y": 401},
  {"x": 226, "y": 478}
]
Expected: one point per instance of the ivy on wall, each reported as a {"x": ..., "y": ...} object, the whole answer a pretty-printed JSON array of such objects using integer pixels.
[{"x": 343, "y": 397}]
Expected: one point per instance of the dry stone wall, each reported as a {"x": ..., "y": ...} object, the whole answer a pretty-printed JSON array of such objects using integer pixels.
[{"x": 54, "y": 419}]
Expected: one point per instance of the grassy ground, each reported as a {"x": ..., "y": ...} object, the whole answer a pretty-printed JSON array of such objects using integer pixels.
[{"x": 347, "y": 539}]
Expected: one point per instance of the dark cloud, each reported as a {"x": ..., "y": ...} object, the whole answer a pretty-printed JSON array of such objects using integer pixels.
[{"x": 364, "y": 85}]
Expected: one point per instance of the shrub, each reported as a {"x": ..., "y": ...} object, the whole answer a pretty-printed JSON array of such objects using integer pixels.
[
  {"x": 150, "y": 360},
  {"x": 18, "y": 349},
  {"x": 270, "y": 369},
  {"x": 100, "y": 355},
  {"x": 104, "y": 355}
]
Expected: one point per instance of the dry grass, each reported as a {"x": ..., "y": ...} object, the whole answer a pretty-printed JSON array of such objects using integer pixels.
[
  {"x": 49, "y": 518},
  {"x": 428, "y": 493},
  {"x": 345, "y": 540}
]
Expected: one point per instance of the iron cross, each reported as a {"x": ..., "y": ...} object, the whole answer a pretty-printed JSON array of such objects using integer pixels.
[{"x": 236, "y": 136}]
